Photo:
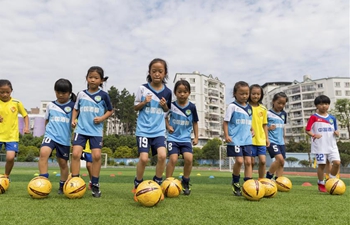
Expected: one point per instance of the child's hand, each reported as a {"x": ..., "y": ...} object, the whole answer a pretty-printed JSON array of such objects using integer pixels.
[
  {"x": 26, "y": 130},
  {"x": 74, "y": 124},
  {"x": 272, "y": 127},
  {"x": 195, "y": 141},
  {"x": 228, "y": 139},
  {"x": 336, "y": 133},
  {"x": 170, "y": 129},
  {"x": 316, "y": 136},
  {"x": 267, "y": 142},
  {"x": 162, "y": 102},
  {"x": 148, "y": 98},
  {"x": 98, "y": 120},
  {"x": 1, "y": 119}
]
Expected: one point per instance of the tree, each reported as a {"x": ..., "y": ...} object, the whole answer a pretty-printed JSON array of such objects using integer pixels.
[
  {"x": 304, "y": 163},
  {"x": 291, "y": 161},
  {"x": 342, "y": 113},
  {"x": 211, "y": 149}
]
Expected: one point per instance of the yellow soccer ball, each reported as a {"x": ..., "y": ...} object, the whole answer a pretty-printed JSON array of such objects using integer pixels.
[
  {"x": 283, "y": 184},
  {"x": 270, "y": 187},
  {"x": 74, "y": 187},
  {"x": 253, "y": 190},
  {"x": 149, "y": 193},
  {"x": 171, "y": 187},
  {"x": 39, "y": 187},
  {"x": 335, "y": 186}
]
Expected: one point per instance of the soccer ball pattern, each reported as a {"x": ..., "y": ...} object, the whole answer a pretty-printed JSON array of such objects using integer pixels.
[
  {"x": 74, "y": 187},
  {"x": 171, "y": 187},
  {"x": 283, "y": 184},
  {"x": 270, "y": 187},
  {"x": 39, "y": 187},
  {"x": 149, "y": 193},
  {"x": 253, "y": 190},
  {"x": 4, "y": 184},
  {"x": 335, "y": 186}
]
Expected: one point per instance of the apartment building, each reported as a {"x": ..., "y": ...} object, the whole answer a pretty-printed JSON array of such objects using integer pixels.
[
  {"x": 301, "y": 97},
  {"x": 208, "y": 94}
]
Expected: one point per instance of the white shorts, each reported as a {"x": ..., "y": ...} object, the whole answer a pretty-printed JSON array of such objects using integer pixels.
[{"x": 322, "y": 158}]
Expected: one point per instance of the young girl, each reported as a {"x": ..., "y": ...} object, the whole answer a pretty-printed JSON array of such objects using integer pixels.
[
  {"x": 276, "y": 119},
  {"x": 259, "y": 124},
  {"x": 9, "y": 132},
  {"x": 183, "y": 117},
  {"x": 238, "y": 134},
  {"x": 153, "y": 100},
  {"x": 58, "y": 130},
  {"x": 93, "y": 107}
]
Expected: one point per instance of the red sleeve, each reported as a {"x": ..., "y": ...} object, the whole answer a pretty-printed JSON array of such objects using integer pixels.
[{"x": 310, "y": 122}]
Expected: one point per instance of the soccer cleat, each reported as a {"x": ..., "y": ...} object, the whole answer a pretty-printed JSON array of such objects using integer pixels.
[
  {"x": 95, "y": 190},
  {"x": 186, "y": 188},
  {"x": 236, "y": 189},
  {"x": 60, "y": 191},
  {"x": 322, "y": 188}
]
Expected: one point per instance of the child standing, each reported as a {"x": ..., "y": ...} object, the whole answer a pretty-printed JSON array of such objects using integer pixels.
[
  {"x": 58, "y": 130},
  {"x": 153, "y": 100},
  {"x": 9, "y": 133},
  {"x": 276, "y": 120},
  {"x": 93, "y": 107},
  {"x": 238, "y": 134},
  {"x": 182, "y": 119},
  {"x": 322, "y": 127},
  {"x": 259, "y": 124}
]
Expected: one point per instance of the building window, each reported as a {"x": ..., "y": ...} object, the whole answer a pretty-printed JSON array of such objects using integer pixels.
[
  {"x": 337, "y": 84},
  {"x": 320, "y": 85},
  {"x": 192, "y": 80},
  {"x": 193, "y": 89},
  {"x": 347, "y": 93},
  {"x": 192, "y": 97},
  {"x": 338, "y": 93},
  {"x": 347, "y": 84}
]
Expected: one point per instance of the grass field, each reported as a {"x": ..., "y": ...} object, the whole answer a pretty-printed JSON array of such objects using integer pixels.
[{"x": 211, "y": 202}]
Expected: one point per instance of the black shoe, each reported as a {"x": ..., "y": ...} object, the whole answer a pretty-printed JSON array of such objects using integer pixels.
[
  {"x": 95, "y": 190},
  {"x": 186, "y": 188},
  {"x": 60, "y": 191},
  {"x": 236, "y": 189}
]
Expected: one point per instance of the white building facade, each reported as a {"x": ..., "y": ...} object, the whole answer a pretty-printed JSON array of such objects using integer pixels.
[
  {"x": 301, "y": 96},
  {"x": 208, "y": 94}
]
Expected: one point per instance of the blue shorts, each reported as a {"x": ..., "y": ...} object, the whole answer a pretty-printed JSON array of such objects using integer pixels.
[
  {"x": 234, "y": 151},
  {"x": 80, "y": 139},
  {"x": 144, "y": 143},
  {"x": 179, "y": 147},
  {"x": 10, "y": 146},
  {"x": 62, "y": 151},
  {"x": 276, "y": 150},
  {"x": 258, "y": 150},
  {"x": 86, "y": 156}
]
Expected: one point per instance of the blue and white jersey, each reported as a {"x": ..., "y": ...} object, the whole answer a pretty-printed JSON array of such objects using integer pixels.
[
  {"x": 91, "y": 105},
  {"x": 59, "y": 118},
  {"x": 182, "y": 119},
  {"x": 239, "y": 120},
  {"x": 276, "y": 136},
  {"x": 151, "y": 118}
]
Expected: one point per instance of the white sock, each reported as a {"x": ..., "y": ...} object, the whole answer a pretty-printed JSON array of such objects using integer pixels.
[
  {"x": 332, "y": 176},
  {"x": 321, "y": 182}
]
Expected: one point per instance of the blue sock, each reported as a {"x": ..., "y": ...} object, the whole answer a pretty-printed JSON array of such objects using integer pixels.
[
  {"x": 94, "y": 180},
  {"x": 62, "y": 183},
  {"x": 276, "y": 177},
  {"x": 185, "y": 180},
  {"x": 44, "y": 175},
  {"x": 269, "y": 175},
  {"x": 157, "y": 179},
  {"x": 137, "y": 182},
  {"x": 235, "y": 178},
  {"x": 247, "y": 178}
]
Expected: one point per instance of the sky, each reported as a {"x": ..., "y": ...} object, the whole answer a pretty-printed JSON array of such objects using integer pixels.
[{"x": 255, "y": 41}]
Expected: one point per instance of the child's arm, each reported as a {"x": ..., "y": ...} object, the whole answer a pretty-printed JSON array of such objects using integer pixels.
[
  {"x": 1, "y": 119},
  {"x": 169, "y": 128},
  {"x": 195, "y": 132},
  {"x": 142, "y": 104},
  {"x": 225, "y": 127},
  {"x": 74, "y": 117},
  {"x": 336, "y": 133},
  {"x": 266, "y": 135},
  {"x": 26, "y": 125},
  {"x": 107, "y": 114}
]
